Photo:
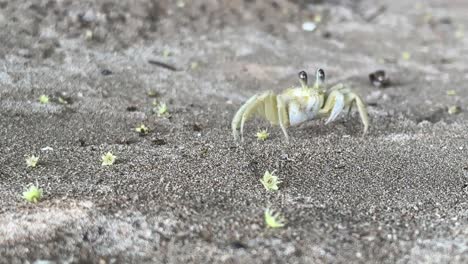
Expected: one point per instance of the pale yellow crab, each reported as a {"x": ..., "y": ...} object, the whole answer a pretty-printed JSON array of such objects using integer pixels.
[{"x": 297, "y": 105}]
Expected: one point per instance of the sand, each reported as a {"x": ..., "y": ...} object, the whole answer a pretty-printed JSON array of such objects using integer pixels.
[{"x": 186, "y": 192}]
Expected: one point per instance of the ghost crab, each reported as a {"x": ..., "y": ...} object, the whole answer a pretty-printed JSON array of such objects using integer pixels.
[{"x": 299, "y": 104}]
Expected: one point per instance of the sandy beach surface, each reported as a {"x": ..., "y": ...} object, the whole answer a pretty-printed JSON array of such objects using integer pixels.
[{"x": 187, "y": 192}]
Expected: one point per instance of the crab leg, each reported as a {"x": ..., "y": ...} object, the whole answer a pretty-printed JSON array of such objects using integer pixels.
[
  {"x": 335, "y": 103},
  {"x": 236, "y": 121},
  {"x": 282, "y": 115},
  {"x": 361, "y": 109},
  {"x": 264, "y": 105}
]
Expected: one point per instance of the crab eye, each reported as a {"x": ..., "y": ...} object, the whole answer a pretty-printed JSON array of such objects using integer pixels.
[
  {"x": 321, "y": 74},
  {"x": 303, "y": 76}
]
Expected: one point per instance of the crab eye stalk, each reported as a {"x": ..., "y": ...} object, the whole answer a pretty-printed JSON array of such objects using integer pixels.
[
  {"x": 320, "y": 78},
  {"x": 303, "y": 78}
]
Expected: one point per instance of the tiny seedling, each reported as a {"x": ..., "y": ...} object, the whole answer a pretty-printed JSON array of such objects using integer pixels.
[
  {"x": 451, "y": 92},
  {"x": 406, "y": 55},
  {"x": 88, "y": 35},
  {"x": 454, "y": 110},
  {"x": 61, "y": 100},
  {"x": 31, "y": 161},
  {"x": 162, "y": 110},
  {"x": 194, "y": 65},
  {"x": 274, "y": 219},
  {"x": 167, "y": 53},
  {"x": 33, "y": 194},
  {"x": 459, "y": 33},
  {"x": 152, "y": 94},
  {"x": 318, "y": 18},
  {"x": 263, "y": 135},
  {"x": 180, "y": 4},
  {"x": 142, "y": 129},
  {"x": 108, "y": 159},
  {"x": 270, "y": 181},
  {"x": 44, "y": 99}
]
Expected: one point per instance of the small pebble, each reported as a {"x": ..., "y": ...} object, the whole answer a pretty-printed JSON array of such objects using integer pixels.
[
  {"x": 379, "y": 79},
  {"x": 106, "y": 72},
  {"x": 309, "y": 26},
  {"x": 131, "y": 108},
  {"x": 47, "y": 149},
  {"x": 158, "y": 141}
]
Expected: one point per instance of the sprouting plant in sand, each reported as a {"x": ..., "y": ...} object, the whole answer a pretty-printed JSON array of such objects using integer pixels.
[
  {"x": 166, "y": 53},
  {"x": 274, "y": 219},
  {"x": 31, "y": 161},
  {"x": 455, "y": 109},
  {"x": 263, "y": 135},
  {"x": 108, "y": 159},
  {"x": 142, "y": 129},
  {"x": 270, "y": 181},
  {"x": 406, "y": 55},
  {"x": 194, "y": 65},
  {"x": 451, "y": 92},
  {"x": 33, "y": 194},
  {"x": 44, "y": 99},
  {"x": 161, "y": 109},
  {"x": 62, "y": 100}
]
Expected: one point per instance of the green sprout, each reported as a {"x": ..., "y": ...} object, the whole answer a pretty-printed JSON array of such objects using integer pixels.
[
  {"x": 62, "y": 101},
  {"x": 454, "y": 110},
  {"x": 194, "y": 65},
  {"x": 88, "y": 35},
  {"x": 270, "y": 181},
  {"x": 406, "y": 55},
  {"x": 427, "y": 17},
  {"x": 263, "y": 135},
  {"x": 152, "y": 94},
  {"x": 274, "y": 219},
  {"x": 459, "y": 33},
  {"x": 180, "y": 4},
  {"x": 33, "y": 194},
  {"x": 451, "y": 92},
  {"x": 318, "y": 18},
  {"x": 31, "y": 161},
  {"x": 167, "y": 53},
  {"x": 108, "y": 159},
  {"x": 44, "y": 99},
  {"x": 162, "y": 110},
  {"x": 142, "y": 129}
]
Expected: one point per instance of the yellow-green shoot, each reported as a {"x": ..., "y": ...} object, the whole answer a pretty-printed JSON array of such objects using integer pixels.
[
  {"x": 263, "y": 135},
  {"x": 31, "y": 161},
  {"x": 167, "y": 53},
  {"x": 406, "y": 55},
  {"x": 162, "y": 110},
  {"x": 270, "y": 181},
  {"x": 274, "y": 219},
  {"x": 33, "y": 194},
  {"x": 142, "y": 129},
  {"x": 454, "y": 110},
  {"x": 44, "y": 99},
  {"x": 194, "y": 65},
  {"x": 62, "y": 100},
  {"x": 108, "y": 159},
  {"x": 451, "y": 92}
]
